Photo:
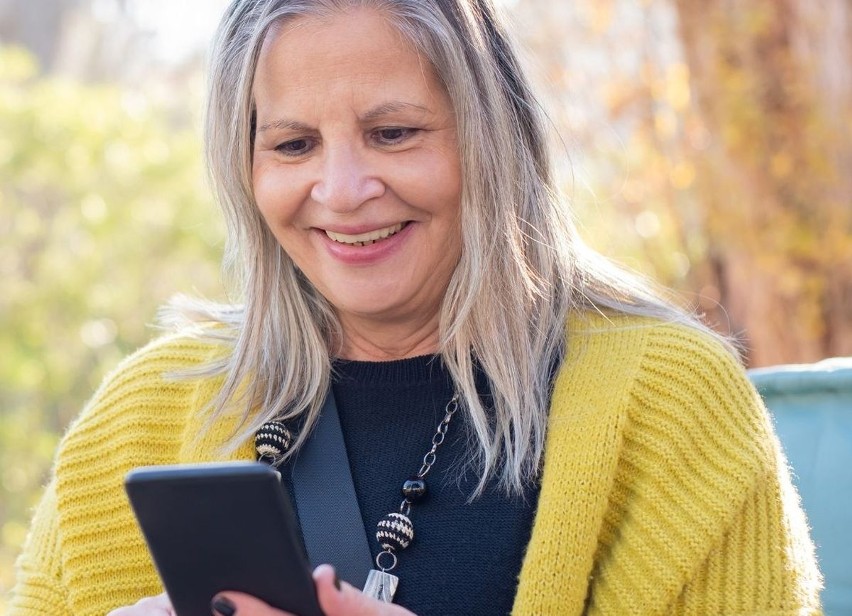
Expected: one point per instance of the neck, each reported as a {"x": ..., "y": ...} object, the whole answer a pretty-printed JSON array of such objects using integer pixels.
[{"x": 387, "y": 341}]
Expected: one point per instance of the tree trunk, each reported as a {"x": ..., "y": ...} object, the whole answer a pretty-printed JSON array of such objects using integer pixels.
[{"x": 772, "y": 83}]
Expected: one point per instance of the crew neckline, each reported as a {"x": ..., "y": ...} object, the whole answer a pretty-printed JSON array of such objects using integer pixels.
[{"x": 408, "y": 371}]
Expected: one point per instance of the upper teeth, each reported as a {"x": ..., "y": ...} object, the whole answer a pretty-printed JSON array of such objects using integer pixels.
[{"x": 361, "y": 238}]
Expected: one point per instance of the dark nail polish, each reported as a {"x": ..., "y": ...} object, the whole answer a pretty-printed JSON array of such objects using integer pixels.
[
  {"x": 336, "y": 582},
  {"x": 223, "y": 607}
]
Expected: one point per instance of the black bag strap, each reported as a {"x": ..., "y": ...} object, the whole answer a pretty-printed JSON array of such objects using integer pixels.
[{"x": 332, "y": 526}]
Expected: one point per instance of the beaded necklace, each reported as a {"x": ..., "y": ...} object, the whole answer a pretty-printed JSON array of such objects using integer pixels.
[{"x": 395, "y": 531}]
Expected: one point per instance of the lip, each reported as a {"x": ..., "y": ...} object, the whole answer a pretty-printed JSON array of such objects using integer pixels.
[{"x": 364, "y": 255}]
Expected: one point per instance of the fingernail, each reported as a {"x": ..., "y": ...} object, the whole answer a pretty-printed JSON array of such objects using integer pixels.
[{"x": 223, "y": 606}]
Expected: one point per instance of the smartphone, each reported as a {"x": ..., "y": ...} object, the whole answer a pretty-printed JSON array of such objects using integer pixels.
[{"x": 223, "y": 526}]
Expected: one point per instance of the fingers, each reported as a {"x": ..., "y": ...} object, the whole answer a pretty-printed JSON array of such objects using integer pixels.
[
  {"x": 149, "y": 606},
  {"x": 240, "y": 604},
  {"x": 338, "y": 598}
]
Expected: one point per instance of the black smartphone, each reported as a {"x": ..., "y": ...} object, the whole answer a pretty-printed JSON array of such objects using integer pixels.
[{"x": 223, "y": 526}]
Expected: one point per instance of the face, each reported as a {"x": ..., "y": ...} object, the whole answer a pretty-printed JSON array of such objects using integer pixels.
[{"x": 356, "y": 166}]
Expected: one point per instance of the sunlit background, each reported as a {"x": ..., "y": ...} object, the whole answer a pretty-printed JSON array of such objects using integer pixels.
[{"x": 705, "y": 143}]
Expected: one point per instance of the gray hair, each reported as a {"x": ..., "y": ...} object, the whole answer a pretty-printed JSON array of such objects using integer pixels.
[{"x": 522, "y": 271}]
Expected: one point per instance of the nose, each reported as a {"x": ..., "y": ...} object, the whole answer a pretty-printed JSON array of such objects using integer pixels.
[{"x": 347, "y": 179}]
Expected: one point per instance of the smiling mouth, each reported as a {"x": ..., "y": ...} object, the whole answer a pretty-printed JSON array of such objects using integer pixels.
[{"x": 365, "y": 239}]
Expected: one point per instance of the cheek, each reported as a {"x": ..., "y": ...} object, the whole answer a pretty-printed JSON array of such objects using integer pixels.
[
  {"x": 448, "y": 197},
  {"x": 447, "y": 172},
  {"x": 275, "y": 196},
  {"x": 262, "y": 186},
  {"x": 434, "y": 182}
]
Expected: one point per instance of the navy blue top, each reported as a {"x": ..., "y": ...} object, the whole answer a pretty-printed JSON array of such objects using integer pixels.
[{"x": 466, "y": 556}]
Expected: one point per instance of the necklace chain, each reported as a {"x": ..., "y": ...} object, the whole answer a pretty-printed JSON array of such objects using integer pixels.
[
  {"x": 437, "y": 441},
  {"x": 395, "y": 531},
  {"x": 428, "y": 461}
]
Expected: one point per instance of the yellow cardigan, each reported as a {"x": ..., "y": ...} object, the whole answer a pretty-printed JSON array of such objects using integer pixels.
[{"x": 663, "y": 492}]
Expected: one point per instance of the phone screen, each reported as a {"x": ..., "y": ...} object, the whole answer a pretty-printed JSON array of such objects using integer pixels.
[{"x": 224, "y": 526}]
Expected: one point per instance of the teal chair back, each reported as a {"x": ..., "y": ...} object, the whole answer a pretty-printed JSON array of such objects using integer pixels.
[{"x": 812, "y": 408}]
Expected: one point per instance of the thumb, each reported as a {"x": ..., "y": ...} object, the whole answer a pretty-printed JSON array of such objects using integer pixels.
[{"x": 338, "y": 598}]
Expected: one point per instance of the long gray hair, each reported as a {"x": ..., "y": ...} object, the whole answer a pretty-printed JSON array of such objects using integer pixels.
[{"x": 522, "y": 271}]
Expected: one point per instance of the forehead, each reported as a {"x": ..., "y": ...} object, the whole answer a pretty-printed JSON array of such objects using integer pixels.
[
  {"x": 341, "y": 39},
  {"x": 354, "y": 53}
]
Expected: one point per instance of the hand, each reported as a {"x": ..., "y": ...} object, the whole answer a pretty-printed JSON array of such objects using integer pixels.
[
  {"x": 335, "y": 598},
  {"x": 149, "y": 606}
]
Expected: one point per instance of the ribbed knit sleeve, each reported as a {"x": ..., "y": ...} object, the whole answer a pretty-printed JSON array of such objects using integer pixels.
[
  {"x": 702, "y": 516},
  {"x": 85, "y": 553},
  {"x": 664, "y": 488},
  {"x": 753, "y": 571},
  {"x": 39, "y": 589}
]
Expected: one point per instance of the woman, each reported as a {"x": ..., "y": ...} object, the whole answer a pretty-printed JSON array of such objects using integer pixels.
[{"x": 383, "y": 170}]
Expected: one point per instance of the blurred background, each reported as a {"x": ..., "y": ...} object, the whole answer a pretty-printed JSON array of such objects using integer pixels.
[{"x": 705, "y": 143}]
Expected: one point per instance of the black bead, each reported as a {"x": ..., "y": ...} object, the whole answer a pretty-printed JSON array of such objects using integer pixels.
[{"x": 414, "y": 489}]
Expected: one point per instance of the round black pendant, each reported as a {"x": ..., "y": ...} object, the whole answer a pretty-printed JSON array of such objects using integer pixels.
[{"x": 414, "y": 489}]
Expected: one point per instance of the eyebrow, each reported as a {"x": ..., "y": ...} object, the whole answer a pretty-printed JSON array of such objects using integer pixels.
[
  {"x": 372, "y": 114},
  {"x": 391, "y": 107},
  {"x": 284, "y": 125}
]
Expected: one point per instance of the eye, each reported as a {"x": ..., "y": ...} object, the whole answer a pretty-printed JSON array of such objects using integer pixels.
[
  {"x": 393, "y": 135},
  {"x": 295, "y": 147}
]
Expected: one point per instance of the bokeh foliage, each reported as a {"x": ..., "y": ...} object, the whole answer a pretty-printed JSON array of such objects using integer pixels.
[{"x": 104, "y": 214}]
